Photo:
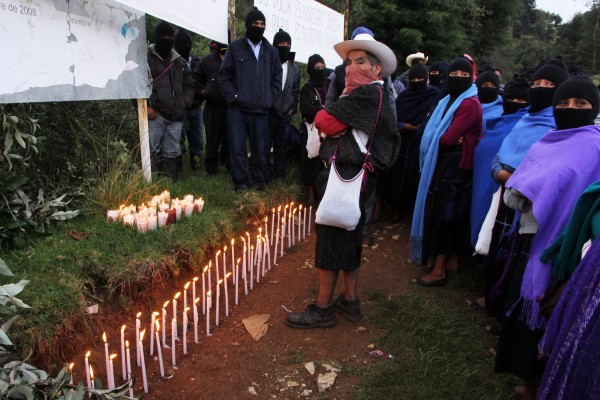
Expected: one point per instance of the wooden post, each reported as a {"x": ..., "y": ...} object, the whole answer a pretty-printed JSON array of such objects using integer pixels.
[
  {"x": 144, "y": 138},
  {"x": 346, "y": 19},
  {"x": 232, "y": 34}
]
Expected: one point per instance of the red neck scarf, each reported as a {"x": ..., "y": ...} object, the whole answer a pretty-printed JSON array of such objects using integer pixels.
[{"x": 356, "y": 78}]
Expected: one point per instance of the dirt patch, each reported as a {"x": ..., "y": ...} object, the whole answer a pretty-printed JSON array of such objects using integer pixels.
[{"x": 231, "y": 365}]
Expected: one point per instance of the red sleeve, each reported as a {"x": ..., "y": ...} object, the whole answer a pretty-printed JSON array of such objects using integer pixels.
[
  {"x": 461, "y": 123},
  {"x": 328, "y": 124}
]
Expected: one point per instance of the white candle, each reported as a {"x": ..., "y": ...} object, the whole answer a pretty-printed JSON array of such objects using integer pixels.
[
  {"x": 189, "y": 209},
  {"x": 194, "y": 280},
  {"x": 209, "y": 280},
  {"x": 272, "y": 226},
  {"x": 112, "y": 216},
  {"x": 252, "y": 267},
  {"x": 142, "y": 225},
  {"x": 299, "y": 223},
  {"x": 265, "y": 251},
  {"x": 244, "y": 277},
  {"x": 199, "y": 205},
  {"x": 87, "y": 369},
  {"x": 162, "y": 207},
  {"x": 128, "y": 220},
  {"x": 218, "y": 301},
  {"x": 137, "y": 335},
  {"x": 152, "y": 319},
  {"x": 189, "y": 198},
  {"x": 92, "y": 377},
  {"x": 162, "y": 219},
  {"x": 164, "y": 323},
  {"x": 276, "y": 244},
  {"x": 111, "y": 381},
  {"x": 282, "y": 235},
  {"x": 309, "y": 218},
  {"x": 233, "y": 260},
  {"x": 292, "y": 225},
  {"x": 284, "y": 216},
  {"x": 208, "y": 303},
  {"x": 196, "y": 319},
  {"x": 175, "y": 312},
  {"x": 173, "y": 329},
  {"x": 178, "y": 212},
  {"x": 217, "y": 264},
  {"x": 266, "y": 221},
  {"x": 185, "y": 325},
  {"x": 224, "y": 260},
  {"x": 226, "y": 294},
  {"x": 144, "y": 377},
  {"x": 304, "y": 225},
  {"x": 128, "y": 363},
  {"x": 204, "y": 291},
  {"x": 237, "y": 281},
  {"x": 106, "y": 354},
  {"x": 167, "y": 196},
  {"x": 159, "y": 351},
  {"x": 185, "y": 288},
  {"x": 123, "y": 367},
  {"x": 152, "y": 222}
]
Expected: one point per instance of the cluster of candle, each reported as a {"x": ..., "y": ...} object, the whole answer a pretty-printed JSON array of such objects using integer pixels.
[
  {"x": 158, "y": 213},
  {"x": 254, "y": 260}
]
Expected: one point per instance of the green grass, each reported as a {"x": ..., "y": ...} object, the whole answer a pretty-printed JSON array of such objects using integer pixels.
[
  {"x": 440, "y": 349},
  {"x": 115, "y": 264}
]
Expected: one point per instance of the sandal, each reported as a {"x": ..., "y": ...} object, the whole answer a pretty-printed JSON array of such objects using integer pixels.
[{"x": 434, "y": 283}]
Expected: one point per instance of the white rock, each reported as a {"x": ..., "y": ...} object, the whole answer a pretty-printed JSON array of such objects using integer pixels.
[
  {"x": 252, "y": 390},
  {"x": 292, "y": 384},
  {"x": 307, "y": 392},
  {"x": 310, "y": 367},
  {"x": 325, "y": 381},
  {"x": 330, "y": 368},
  {"x": 396, "y": 237}
]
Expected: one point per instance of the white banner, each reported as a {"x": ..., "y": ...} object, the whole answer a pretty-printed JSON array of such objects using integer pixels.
[
  {"x": 59, "y": 50},
  {"x": 204, "y": 17},
  {"x": 314, "y": 28}
]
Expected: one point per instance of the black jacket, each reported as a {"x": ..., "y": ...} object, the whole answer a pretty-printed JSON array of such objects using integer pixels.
[
  {"x": 207, "y": 77},
  {"x": 288, "y": 101},
  {"x": 310, "y": 103},
  {"x": 173, "y": 93},
  {"x": 253, "y": 85}
]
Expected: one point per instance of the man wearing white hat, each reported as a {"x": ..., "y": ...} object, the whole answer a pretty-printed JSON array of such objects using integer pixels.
[
  {"x": 360, "y": 121},
  {"x": 412, "y": 59}
]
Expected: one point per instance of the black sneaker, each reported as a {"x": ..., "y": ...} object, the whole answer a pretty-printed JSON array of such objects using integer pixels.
[
  {"x": 313, "y": 317},
  {"x": 350, "y": 309}
]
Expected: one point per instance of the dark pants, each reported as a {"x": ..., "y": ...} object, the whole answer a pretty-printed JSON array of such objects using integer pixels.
[
  {"x": 276, "y": 127},
  {"x": 194, "y": 131},
  {"x": 215, "y": 122},
  {"x": 241, "y": 127}
]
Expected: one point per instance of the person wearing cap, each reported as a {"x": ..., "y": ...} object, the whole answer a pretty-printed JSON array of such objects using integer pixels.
[
  {"x": 357, "y": 120},
  {"x": 215, "y": 109},
  {"x": 412, "y": 59},
  {"x": 287, "y": 104},
  {"x": 250, "y": 81},
  {"x": 441, "y": 215},
  {"x": 193, "y": 127},
  {"x": 172, "y": 95},
  {"x": 545, "y": 187}
]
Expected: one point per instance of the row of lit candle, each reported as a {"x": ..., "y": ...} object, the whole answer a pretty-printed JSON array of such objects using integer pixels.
[{"x": 253, "y": 262}]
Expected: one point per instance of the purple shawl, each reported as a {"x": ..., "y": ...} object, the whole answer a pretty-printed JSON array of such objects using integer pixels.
[
  {"x": 572, "y": 338},
  {"x": 554, "y": 173}
]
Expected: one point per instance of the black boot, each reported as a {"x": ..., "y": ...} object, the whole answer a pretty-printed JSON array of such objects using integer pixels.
[{"x": 172, "y": 168}]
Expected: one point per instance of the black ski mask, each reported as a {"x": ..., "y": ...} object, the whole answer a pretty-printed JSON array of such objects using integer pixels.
[
  {"x": 518, "y": 88},
  {"x": 183, "y": 44},
  {"x": 458, "y": 84},
  {"x": 434, "y": 79},
  {"x": 487, "y": 94},
  {"x": 318, "y": 77},
  {"x": 255, "y": 33},
  {"x": 578, "y": 87},
  {"x": 163, "y": 39},
  {"x": 284, "y": 53},
  {"x": 554, "y": 71},
  {"x": 417, "y": 71}
]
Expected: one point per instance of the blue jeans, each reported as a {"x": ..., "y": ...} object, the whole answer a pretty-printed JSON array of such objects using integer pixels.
[
  {"x": 241, "y": 127},
  {"x": 194, "y": 131},
  {"x": 164, "y": 136}
]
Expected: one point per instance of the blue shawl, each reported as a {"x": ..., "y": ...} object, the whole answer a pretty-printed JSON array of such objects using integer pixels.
[
  {"x": 525, "y": 133},
  {"x": 438, "y": 124},
  {"x": 484, "y": 186},
  {"x": 491, "y": 110},
  {"x": 572, "y": 338}
]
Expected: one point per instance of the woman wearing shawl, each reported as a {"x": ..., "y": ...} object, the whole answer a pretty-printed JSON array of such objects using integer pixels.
[
  {"x": 359, "y": 119},
  {"x": 312, "y": 99},
  {"x": 440, "y": 219},
  {"x": 571, "y": 339},
  {"x": 544, "y": 189},
  {"x": 411, "y": 107},
  {"x": 536, "y": 123},
  {"x": 488, "y": 92}
]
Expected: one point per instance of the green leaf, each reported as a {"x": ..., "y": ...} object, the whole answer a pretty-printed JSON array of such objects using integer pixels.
[
  {"x": 19, "y": 138},
  {"x": 4, "y": 270},
  {"x": 21, "y": 392},
  {"x": 6, "y": 326},
  {"x": 3, "y": 387},
  {"x": 4, "y": 340},
  {"x": 64, "y": 215},
  {"x": 12, "y": 289}
]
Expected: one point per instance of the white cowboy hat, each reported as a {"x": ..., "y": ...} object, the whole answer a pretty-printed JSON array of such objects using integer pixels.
[
  {"x": 364, "y": 41},
  {"x": 416, "y": 56}
]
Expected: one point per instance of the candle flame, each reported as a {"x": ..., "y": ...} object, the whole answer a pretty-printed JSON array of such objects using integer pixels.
[
  {"x": 273, "y": 210},
  {"x": 112, "y": 356},
  {"x": 278, "y": 208},
  {"x": 247, "y": 234},
  {"x": 228, "y": 275},
  {"x": 208, "y": 294},
  {"x": 155, "y": 313},
  {"x": 138, "y": 315},
  {"x": 283, "y": 220},
  {"x": 71, "y": 366},
  {"x": 205, "y": 269},
  {"x": 300, "y": 207},
  {"x": 291, "y": 204},
  {"x": 218, "y": 253},
  {"x": 104, "y": 337},
  {"x": 232, "y": 242},
  {"x": 243, "y": 239},
  {"x": 142, "y": 335},
  {"x": 91, "y": 373},
  {"x": 127, "y": 343},
  {"x": 220, "y": 281},
  {"x": 166, "y": 303},
  {"x": 224, "y": 249},
  {"x": 177, "y": 295},
  {"x": 195, "y": 279},
  {"x": 187, "y": 285},
  {"x": 238, "y": 260},
  {"x": 286, "y": 206},
  {"x": 197, "y": 300},
  {"x": 157, "y": 326},
  {"x": 266, "y": 219},
  {"x": 122, "y": 328},
  {"x": 186, "y": 309},
  {"x": 259, "y": 229},
  {"x": 252, "y": 247},
  {"x": 87, "y": 355}
]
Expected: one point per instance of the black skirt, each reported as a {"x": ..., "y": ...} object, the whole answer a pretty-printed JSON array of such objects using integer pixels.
[
  {"x": 338, "y": 249},
  {"x": 447, "y": 207}
]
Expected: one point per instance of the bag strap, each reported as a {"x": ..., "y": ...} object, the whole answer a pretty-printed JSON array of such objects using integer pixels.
[{"x": 164, "y": 71}]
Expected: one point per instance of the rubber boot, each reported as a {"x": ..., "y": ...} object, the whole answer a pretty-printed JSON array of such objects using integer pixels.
[{"x": 172, "y": 168}]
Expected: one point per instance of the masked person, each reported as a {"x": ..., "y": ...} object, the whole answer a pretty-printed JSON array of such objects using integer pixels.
[
  {"x": 172, "y": 95},
  {"x": 544, "y": 189},
  {"x": 287, "y": 104},
  {"x": 488, "y": 92},
  {"x": 215, "y": 109},
  {"x": 441, "y": 215},
  {"x": 193, "y": 127},
  {"x": 250, "y": 81}
]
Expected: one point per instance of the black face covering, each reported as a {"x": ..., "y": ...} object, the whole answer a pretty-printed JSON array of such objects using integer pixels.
[
  {"x": 434, "y": 80},
  {"x": 318, "y": 77},
  {"x": 511, "y": 107},
  {"x": 284, "y": 53},
  {"x": 540, "y": 98},
  {"x": 163, "y": 47},
  {"x": 418, "y": 86},
  {"x": 458, "y": 84},
  {"x": 569, "y": 118},
  {"x": 255, "y": 33},
  {"x": 487, "y": 94}
]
